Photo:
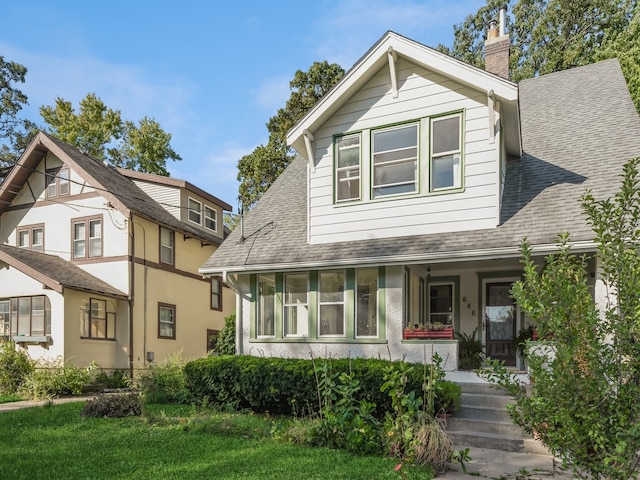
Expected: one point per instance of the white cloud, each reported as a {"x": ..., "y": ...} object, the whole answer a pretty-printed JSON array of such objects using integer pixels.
[{"x": 272, "y": 93}]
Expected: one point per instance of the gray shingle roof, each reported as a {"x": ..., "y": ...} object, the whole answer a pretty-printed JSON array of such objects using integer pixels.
[
  {"x": 55, "y": 272},
  {"x": 131, "y": 196},
  {"x": 579, "y": 127}
]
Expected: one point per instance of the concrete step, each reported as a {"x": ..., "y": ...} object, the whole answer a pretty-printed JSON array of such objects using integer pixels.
[
  {"x": 506, "y": 443},
  {"x": 480, "y": 388},
  {"x": 456, "y": 424},
  {"x": 476, "y": 412},
  {"x": 485, "y": 400}
]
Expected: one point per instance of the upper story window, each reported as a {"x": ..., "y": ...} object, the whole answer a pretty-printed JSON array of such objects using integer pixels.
[
  {"x": 422, "y": 156},
  {"x": 210, "y": 218},
  {"x": 347, "y": 165},
  {"x": 167, "y": 246},
  {"x": 31, "y": 237},
  {"x": 98, "y": 319},
  {"x": 57, "y": 182},
  {"x": 87, "y": 237},
  {"x": 195, "y": 211},
  {"x": 395, "y": 160},
  {"x": 446, "y": 152}
]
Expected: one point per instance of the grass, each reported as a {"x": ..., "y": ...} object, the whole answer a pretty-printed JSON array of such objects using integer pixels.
[
  {"x": 10, "y": 398},
  {"x": 169, "y": 443}
]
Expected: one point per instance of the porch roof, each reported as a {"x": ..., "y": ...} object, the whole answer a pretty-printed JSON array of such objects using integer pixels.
[{"x": 579, "y": 127}]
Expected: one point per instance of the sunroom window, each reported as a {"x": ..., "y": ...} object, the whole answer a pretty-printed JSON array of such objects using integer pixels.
[
  {"x": 395, "y": 160},
  {"x": 367, "y": 302},
  {"x": 331, "y": 303},
  {"x": 441, "y": 303},
  {"x": 348, "y": 168},
  {"x": 266, "y": 305},
  {"x": 446, "y": 152},
  {"x": 296, "y": 305}
]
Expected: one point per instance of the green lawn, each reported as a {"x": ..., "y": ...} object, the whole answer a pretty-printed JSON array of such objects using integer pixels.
[{"x": 56, "y": 442}]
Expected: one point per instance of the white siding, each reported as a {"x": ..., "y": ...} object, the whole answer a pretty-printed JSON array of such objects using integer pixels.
[
  {"x": 168, "y": 197},
  {"x": 421, "y": 94}
]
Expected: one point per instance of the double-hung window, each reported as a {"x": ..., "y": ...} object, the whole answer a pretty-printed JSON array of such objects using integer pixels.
[
  {"x": 296, "y": 305},
  {"x": 87, "y": 237},
  {"x": 331, "y": 311},
  {"x": 266, "y": 311},
  {"x": 167, "y": 246},
  {"x": 98, "y": 319},
  {"x": 216, "y": 293},
  {"x": 166, "y": 321},
  {"x": 57, "y": 182},
  {"x": 347, "y": 166},
  {"x": 210, "y": 219},
  {"x": 31, "y": 237},
  {"x": 395, "y": 160},
  {"x": 195, "y": 211},
  {"x": 5, "y": 319},
  {"x": 446, "y": 152}
]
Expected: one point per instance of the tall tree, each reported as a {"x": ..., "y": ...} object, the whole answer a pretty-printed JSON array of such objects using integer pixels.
[
  {"x": 101, "y": 132},
  {"x": 14, "y": 132},
  {"x": 546, "y": 35},
  {"x": 259, "y": 169}
]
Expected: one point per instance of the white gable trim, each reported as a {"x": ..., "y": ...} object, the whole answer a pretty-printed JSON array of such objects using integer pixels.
[{"x": 385, "y": 51}]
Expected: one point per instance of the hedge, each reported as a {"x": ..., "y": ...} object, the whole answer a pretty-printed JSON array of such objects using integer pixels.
[{"x": 286, "y": 385}]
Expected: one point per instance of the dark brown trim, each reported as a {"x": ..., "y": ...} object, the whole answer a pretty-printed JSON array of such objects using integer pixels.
[
  {"x": 170, "y": 269},
  {"x": 116, "y": 258},
  {"x": 54, "y": 201},
  {"x": 218, "y": 280},
  {"x": 172, "y": 307}
]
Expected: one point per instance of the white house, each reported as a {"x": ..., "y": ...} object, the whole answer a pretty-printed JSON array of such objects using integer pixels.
[
  {"x": 100, "y": 264},
  {"x": 416, "y": 179}
]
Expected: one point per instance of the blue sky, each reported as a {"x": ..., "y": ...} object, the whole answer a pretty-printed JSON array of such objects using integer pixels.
[{"x": 210, "y": 72}]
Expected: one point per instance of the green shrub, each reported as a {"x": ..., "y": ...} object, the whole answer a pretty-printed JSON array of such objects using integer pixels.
[
  {"x": 164, "y": 382},
  {"x": 15, "y": 367},
  {"x": 114, "y": 406},
  {"x": 448, "y": 397},
  {"x": 114, "y": 379},
  {"x": 52, "y": 378},
  {"x": 286, "y": 385},
  {"x": 226, "y": 344},
  {"x": 470, "y": 350}
]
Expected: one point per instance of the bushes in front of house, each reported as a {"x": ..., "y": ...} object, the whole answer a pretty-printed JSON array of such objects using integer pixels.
[
  {"x": 290, "y": 386},
  {"x": 111, "y": 405},
  {"x": 15, "y": 367}
]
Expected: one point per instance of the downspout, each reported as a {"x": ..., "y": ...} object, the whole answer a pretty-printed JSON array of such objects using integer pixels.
[{"x": 132, "y": 268}]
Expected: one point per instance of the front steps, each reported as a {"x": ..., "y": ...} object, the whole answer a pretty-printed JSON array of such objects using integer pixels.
[{"x": 483, "y": 421}]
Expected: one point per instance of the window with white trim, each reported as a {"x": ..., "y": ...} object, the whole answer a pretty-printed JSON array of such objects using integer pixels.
[
  {"x": 166, "y": 321},
  {"x": 98, "y": 319},
  {"x": 266, "y": 311},
  {"x": 331, "y": 311},
  {"x": 31, "y": 237},
  {"x": 87, "y": 237},
  {"x": 195, "y": 211},
  {"x": 395, "y": 160},
  {"x": 167, "y": 246},
  {"x": 446, "y": 151},
  {"x": 210, "y": 218},
  {"x": 5, "y": 319},
  {"x": 296, "y": 305},
  {"x": 347, "y": 165}
]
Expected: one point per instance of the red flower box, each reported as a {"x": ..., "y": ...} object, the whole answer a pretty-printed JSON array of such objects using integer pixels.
[{"x": 417, "y": 333}]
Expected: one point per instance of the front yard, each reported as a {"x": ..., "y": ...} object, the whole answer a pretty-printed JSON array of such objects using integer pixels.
[{"x": 168, "y": 442}]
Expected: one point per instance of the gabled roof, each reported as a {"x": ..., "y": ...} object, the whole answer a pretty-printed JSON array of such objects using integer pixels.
[
  {"x": 579, "y": 127},
  {"x": 175, "y": 182},
  {"x": 396, "y": 45},
  {"x": 121, "y": 192},
  {"x": 54, "y": 272}
]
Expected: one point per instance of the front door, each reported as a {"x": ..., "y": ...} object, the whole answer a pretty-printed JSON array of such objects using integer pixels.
[{"x": 500, "y": 321}]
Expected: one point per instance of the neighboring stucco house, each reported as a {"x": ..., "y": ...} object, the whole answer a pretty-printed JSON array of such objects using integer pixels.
[
  {"x": 416, "y": 179},
  {"x": 100, "y": 264}
]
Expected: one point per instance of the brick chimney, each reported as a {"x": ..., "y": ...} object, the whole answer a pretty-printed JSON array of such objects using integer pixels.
[{"x": 496, "y": 47}]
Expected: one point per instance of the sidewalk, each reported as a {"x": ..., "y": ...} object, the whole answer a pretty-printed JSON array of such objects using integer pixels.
[{"x": 11, "y": 406}]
